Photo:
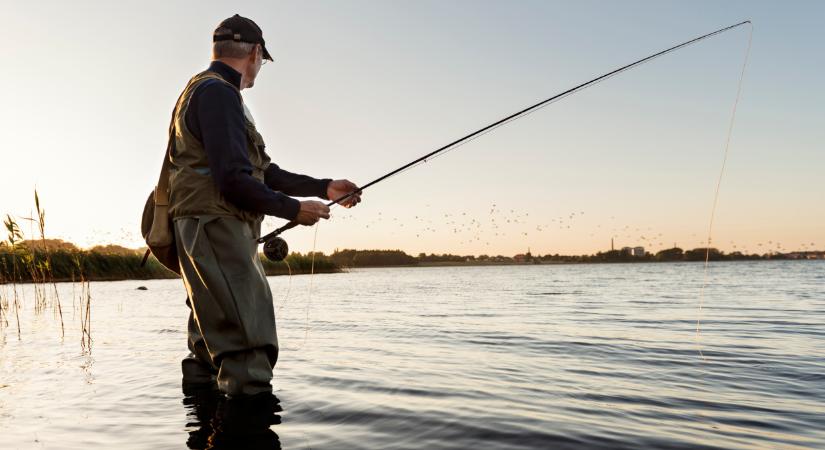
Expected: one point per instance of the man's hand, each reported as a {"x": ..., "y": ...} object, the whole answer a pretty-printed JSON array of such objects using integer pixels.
[
  {"x": 312, "y": 211},
  {"x": 339, "y": 188}
]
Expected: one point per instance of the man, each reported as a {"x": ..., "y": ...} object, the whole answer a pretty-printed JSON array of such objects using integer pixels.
[{"x": 222, "y": 183}]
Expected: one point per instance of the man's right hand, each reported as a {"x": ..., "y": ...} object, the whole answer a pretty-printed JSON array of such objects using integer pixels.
[{"x": 312, "y": 211}]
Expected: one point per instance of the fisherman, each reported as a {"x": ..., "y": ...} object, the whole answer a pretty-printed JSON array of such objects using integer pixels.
[{"x": 222, "y": 184}]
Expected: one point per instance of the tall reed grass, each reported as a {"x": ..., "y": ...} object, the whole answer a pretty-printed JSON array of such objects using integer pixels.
[
  {"x": 10, "y": 267},
  {"x": 32, "y": 261}
]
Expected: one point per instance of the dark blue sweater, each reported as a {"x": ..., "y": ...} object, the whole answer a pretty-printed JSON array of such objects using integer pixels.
[{"x": 216, "y": 118}]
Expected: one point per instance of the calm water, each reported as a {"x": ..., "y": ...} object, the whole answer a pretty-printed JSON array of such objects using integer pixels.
[{"x": 577, "y": 356}]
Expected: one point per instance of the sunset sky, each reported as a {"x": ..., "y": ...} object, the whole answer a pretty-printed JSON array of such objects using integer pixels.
[{"x": 361, "y": 87}]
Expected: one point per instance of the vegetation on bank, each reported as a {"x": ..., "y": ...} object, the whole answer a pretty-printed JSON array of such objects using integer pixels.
[
  {"x": 383, "y": 258},
  {"x": 372, "y": 258},
  {"x": 112, "y": 262},
  {"x": 298, "y": 263},
  {"x": 65, "y": 261},
  {"x": 69, "y": 262}
]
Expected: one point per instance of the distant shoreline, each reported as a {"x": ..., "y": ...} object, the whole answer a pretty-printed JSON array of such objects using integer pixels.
[
  {"x": 560, "y": 263},
  {"x": 30, "y": 263},
  {"x": 167, "y": 275}
]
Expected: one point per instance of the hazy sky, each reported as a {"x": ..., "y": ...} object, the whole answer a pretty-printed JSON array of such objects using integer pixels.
[{"x": 359, "y": 88}]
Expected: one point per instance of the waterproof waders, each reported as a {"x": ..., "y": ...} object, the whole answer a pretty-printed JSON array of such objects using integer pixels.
[{"x": 231, "y": 329}]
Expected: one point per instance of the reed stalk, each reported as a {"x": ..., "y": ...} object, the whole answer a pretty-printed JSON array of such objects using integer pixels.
[
  {"x": 85, "y": 308},
  {"x": 14, "y": 236},
  {"x": 4, "y": 302},
  {"x": 47, "y": 276}
]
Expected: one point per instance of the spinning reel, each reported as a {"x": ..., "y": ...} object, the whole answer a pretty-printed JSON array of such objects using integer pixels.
[{"x": 275, "y": 249}]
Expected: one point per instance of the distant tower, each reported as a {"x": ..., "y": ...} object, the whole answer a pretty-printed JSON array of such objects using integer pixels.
[{"x": 611, "y": 245}]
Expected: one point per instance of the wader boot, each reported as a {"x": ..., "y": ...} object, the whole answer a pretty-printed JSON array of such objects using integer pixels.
[{"x": 199, "y": 371}]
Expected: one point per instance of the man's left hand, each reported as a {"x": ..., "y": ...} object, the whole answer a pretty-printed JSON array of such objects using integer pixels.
[{"x": 339, "y": 188}]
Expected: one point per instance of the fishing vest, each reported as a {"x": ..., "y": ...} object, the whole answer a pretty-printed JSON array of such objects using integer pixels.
[{"x": 192, "y": 190}]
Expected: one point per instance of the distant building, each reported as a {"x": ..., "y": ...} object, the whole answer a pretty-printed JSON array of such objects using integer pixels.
[
  {"x": 633, "y": 251},
  {"x": 806, "y": 255},
  {"x": 523, "y": 257}
]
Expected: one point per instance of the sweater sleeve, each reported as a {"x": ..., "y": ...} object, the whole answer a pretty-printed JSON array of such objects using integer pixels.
[
  {"x": 223, "y": 134},
  {"x": 295, "y": 184}
]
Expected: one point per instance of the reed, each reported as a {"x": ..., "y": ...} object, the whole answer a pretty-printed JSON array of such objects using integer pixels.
[
  {"x": 85, "y": 301},
  {"x": 14, "y": 236},
  {"x": 28, "y": 261},
  {"x": 4, "y": 302},
  {"x": 35, "y": 262},
  {"x": 46, "y": 266}
]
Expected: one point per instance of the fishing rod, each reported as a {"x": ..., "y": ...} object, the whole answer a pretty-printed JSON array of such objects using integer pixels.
[{"x": 276, "y": 248}]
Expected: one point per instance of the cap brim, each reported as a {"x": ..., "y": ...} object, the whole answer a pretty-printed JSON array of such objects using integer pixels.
[{"x": 266, "y": 53}]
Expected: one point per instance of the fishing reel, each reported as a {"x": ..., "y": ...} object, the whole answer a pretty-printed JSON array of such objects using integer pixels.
[{"x": 275, "y": 248}]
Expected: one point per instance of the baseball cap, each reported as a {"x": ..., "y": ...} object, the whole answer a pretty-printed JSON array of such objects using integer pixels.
[{"x": 241, "y": 29}]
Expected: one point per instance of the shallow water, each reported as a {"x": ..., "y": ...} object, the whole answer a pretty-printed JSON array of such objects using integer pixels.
[{"x": 568, "y": 356}]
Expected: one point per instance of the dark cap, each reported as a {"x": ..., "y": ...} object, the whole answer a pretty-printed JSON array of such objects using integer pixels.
[{"x": 241, "y": 29}]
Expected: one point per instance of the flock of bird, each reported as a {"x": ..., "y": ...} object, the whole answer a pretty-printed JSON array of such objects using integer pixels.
[
  {"x": 504, "y": 222},
  {"x": 501, "y": 223}
]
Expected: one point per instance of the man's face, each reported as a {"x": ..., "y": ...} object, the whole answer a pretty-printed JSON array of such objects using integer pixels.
[{"x": 255, "y": 66}]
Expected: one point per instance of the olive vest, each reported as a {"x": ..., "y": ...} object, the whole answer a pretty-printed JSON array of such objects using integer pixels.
[{"x": 192, "y": 190}]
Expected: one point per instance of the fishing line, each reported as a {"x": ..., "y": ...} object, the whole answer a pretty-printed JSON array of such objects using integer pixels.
[
  {"x": 716, "y": 194},
  {"x": 311, "y": 279},
  {"x": 288, "y": 288},
  {"x": 309, "y": 293}
]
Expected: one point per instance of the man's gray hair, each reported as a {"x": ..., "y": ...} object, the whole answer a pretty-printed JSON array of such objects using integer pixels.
[{"x": 231, "y": 49}]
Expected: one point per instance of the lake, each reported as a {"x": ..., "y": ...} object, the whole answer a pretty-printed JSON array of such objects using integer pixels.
[{"x": 499, "y": 357}]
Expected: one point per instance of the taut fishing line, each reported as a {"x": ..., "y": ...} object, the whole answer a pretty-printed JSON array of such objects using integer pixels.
[
  {"x": 716, "y": 194},
  {"x": 276, "y": 249}
]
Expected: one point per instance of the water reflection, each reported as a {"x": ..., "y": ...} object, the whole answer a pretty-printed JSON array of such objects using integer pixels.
[{"x": 215, "y": 422}]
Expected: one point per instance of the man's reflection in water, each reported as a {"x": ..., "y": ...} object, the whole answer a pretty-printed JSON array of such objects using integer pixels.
[{"x": 220, "y": 423}]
